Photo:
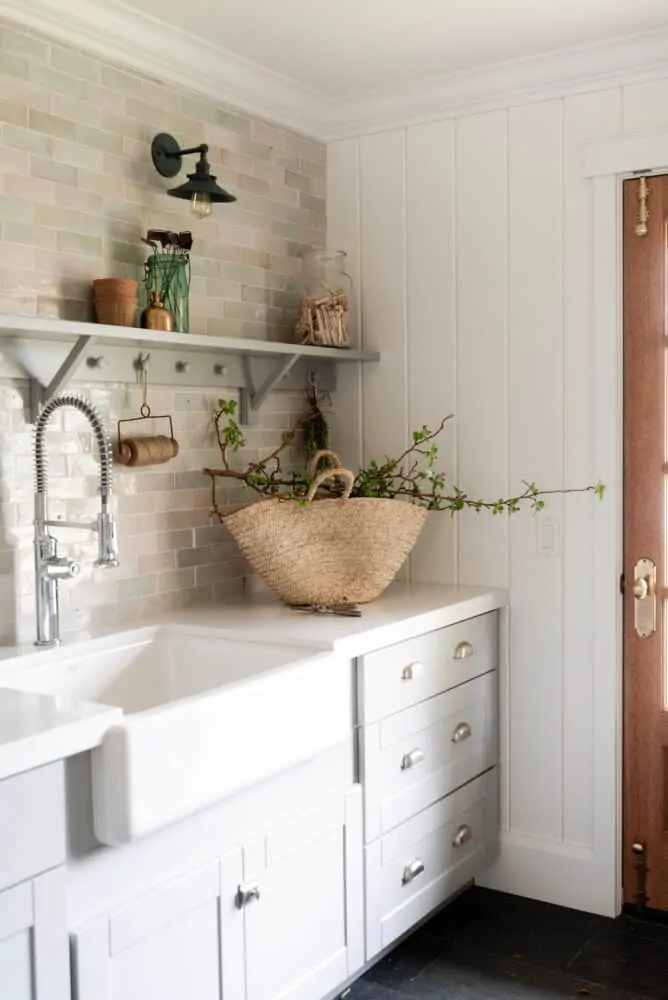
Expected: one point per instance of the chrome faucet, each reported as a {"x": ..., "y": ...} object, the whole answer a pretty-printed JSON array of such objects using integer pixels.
[{"x": 49, "y": 567}]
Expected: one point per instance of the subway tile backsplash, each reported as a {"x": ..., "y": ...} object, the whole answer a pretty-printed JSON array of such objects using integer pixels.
[
  {"x": 77, "y": 192},
  {"x": 171, "y": 552}
]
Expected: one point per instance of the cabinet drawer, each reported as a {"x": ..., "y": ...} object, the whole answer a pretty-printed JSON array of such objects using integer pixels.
[
  {"x": 32, "y": 831},
  {"x": 398, "y": 676},
  {"x": 418, "y": 866},
  {"x": 415, "y": 757}
]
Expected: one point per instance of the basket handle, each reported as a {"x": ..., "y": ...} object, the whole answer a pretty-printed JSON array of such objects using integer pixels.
[
  {"x": 330, "y": 474},
  {"x": 315, "y": 461}
]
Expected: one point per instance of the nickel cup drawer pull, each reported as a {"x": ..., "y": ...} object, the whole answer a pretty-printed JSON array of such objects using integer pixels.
[
  {"x": 411, "y": 670},
  {"x": 411, "y": 759},
  {"x": 412, "y": 871},
  {"x": 462, "y": 732},
  {"x": 463, "y": 835}
]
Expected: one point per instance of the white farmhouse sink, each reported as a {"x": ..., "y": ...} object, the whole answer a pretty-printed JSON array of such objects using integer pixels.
[{"x": 203, "y": 717}]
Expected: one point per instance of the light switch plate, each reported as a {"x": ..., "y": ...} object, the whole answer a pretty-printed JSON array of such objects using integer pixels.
[{"x": 548, "y": 536}]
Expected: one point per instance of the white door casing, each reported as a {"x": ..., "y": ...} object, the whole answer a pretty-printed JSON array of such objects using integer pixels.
[{"x": 607, "y": 163}]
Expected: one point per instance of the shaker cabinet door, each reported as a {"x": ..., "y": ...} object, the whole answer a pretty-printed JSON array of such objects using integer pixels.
[
  {"x": 301, "y": 903},
  {"x": 34, "y": 954},
  {"x": 163, "y": 945}
]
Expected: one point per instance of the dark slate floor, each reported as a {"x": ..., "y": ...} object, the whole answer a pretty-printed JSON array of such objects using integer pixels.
[{"x": 488, "y": 946}]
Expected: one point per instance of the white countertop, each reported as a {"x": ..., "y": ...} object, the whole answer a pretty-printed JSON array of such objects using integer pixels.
[
  {"x": 403, "y": 611},
  {"x": 36, "y": 729}
]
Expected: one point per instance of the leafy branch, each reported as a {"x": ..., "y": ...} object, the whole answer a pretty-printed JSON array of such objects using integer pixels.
[
  {"x": 266, "y": 477},
  {"x": 411, "y": 476}
]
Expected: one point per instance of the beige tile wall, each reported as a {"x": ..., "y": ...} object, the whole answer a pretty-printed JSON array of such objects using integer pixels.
[
  {"x": 77, "y": 191},
  {"x": 171, "y": 551}
]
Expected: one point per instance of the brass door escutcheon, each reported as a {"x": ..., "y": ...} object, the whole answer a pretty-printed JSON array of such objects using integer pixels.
[{"x": 644, "y": 598}]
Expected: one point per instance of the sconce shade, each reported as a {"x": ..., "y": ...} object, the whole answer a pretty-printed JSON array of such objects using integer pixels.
[
  {"x": 201, "y": 187},
  {"x": 202, "y": 182}
]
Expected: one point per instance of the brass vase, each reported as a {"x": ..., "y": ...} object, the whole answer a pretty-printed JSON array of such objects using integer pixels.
[{"x": 156, "y": 316}]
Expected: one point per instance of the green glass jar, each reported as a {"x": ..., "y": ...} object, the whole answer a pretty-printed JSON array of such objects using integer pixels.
[{"x": 170, "y": 275}]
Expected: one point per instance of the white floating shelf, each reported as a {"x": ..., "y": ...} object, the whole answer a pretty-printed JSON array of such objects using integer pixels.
[
  {"x": 68, "y": 331},
  {"x": 22, "y": 329}
]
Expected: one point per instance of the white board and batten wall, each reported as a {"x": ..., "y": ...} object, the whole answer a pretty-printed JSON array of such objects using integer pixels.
[{"x": 471, "y": 246}]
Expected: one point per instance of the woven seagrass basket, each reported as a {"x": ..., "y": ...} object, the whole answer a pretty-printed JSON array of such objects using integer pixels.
[{"x": 332, "y": 551}]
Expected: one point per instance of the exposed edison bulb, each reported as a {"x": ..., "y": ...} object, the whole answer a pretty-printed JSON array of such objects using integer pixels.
[{"x": 200, "y": 205}]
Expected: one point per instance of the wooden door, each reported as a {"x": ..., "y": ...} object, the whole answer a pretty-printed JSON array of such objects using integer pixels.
[
  {"x": 34, "y": 952},
  {"x": 645, "y": 270}
]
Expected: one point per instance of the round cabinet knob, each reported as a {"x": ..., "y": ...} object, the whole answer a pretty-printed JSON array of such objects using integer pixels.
[
  {"x": 247, "y": 893},
  {"x": 463, "y": 650},
  {"x": 411, "y": 671},
  {"x": 97, "y": 362}
]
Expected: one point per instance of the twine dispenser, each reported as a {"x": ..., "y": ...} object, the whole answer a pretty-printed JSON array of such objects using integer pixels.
[{"x": 151, "y": 449}]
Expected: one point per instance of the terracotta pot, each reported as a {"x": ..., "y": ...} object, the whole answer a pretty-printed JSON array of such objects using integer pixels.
[
  {"x": 116, "y": 312},
  {"x": 115, "y": 301},
  {"x": 115, "y": 288}
]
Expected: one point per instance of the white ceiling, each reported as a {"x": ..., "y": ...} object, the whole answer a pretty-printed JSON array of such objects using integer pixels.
[{"x": 345, "y": 48}]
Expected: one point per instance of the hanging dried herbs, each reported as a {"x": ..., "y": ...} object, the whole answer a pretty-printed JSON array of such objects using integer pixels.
[{"x": 314, "y": 425}]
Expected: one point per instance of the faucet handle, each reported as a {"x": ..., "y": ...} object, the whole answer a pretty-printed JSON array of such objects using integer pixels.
[
  {"x": 107, "y": 542},
  {"x": 57, "y": 568}
]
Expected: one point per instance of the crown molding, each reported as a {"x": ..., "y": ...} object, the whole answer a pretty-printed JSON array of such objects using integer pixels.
[
  {"x": 113, "y": 31},
  {"x": 636, "y": 58},
  {"x": 147, "y": 45}
]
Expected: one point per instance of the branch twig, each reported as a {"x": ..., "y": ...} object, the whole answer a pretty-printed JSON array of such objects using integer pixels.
[{"x": 411, "y": 476}]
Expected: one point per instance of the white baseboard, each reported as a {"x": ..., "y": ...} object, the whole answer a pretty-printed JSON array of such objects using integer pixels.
[{"x": 564, "y": 874}]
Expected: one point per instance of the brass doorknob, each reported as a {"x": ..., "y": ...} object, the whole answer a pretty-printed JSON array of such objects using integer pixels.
[{"x": 641, "y": 588}]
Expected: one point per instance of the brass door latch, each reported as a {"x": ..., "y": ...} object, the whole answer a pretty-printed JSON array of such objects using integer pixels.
[{"x": 644, "y": 598}]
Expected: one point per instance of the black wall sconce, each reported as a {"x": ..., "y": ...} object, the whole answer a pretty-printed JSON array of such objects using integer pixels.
[{"x": 201, "y": 188}]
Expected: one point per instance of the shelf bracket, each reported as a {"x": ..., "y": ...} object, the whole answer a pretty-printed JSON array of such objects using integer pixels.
[
  {"x": 250, "y": 398},
  {"x": 40, "y": 393}
]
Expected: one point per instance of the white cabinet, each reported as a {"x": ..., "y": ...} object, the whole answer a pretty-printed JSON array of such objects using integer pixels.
[
  {"x": 163, "y": 945},
  {"x": 418, "y": 755},
  {"x": 34, "y": 954},
  {"x": 428, "y": 755},
  {"x": 34, "y": 958},
  {"x": 281, "y": 915},
  {"x": 420, "y": 864},
  {"x": 303, "y": 879},
  {"x": 293, "y": 906},
  {"x": 396, "y": 677},
  {"x": 32, "y": 831}
]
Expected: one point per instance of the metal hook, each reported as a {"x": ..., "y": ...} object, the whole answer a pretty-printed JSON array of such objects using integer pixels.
[{"x": 140, "y": 365}]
